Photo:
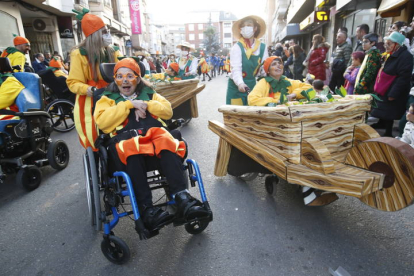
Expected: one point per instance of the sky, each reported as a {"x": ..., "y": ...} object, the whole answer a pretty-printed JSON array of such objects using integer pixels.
[{"x": 168, "y": 11}]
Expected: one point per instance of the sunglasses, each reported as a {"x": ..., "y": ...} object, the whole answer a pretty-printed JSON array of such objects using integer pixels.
[{"x": 128, "y": 76}]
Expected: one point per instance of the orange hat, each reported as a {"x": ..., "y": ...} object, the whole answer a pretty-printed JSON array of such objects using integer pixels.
[
  {"x": 269, "y": 61},
  {"x": 128, "y": 63},
  {"x": 56, "y": 63},
  {"x": 18, "y": 40},
  {"x": 175, "y": 67},
  {"x": 91, "y": 23}
]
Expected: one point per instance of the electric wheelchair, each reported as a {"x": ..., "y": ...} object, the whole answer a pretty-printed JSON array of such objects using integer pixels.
[
  {"x": 109, "y": 191},
  {"x": 25, "y": 143},
  {"x": 59, "y": 101}
]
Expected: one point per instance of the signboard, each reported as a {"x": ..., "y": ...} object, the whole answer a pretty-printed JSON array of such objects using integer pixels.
[
  {"x": 308, "y": 21},
  {"x": 321, "y": 16},
  {"x": 128, "y": 43},
  {"x": 135, "y": 16},
  {"x": 314, "y": 17},
  {"x": 65, "y": 26}
]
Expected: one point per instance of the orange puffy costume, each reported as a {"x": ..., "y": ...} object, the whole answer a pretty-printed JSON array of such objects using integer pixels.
[
  {"x": 113, "y": 115},
  {"x": 80, "y": 78}
]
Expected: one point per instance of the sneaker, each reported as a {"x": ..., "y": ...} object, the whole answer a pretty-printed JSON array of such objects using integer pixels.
[
  {"x": 189, "y": 208},
  {"x": 155, "y": 218},
  {"x": 324, "y": 199}
]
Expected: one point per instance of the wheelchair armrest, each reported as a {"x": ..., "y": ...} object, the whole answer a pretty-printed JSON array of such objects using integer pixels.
[{"x": 32, "y": 113}]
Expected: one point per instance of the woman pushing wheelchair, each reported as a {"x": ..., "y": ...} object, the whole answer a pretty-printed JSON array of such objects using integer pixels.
[{"x": 132, "y": 114}]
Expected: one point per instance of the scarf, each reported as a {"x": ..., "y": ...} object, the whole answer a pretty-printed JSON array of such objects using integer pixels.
[
  {"x": 12, "y": 50},
  {"x": 118, "y": 97},
  {"x": 276, "y": 86},
  {"x": 247, "y": 48}
]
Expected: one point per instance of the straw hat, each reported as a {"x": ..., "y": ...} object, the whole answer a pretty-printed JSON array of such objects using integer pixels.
[
  {"x": 140, "y": 53},
  {"x": 257, "y": 19},
  {"x": 185, "y": 44}
]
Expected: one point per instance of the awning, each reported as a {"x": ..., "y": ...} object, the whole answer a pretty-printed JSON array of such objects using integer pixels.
[
  {"x": 300, "y": 10},
  {"x": 388, "y": 5},
  {"x": 39, "y": 4}
]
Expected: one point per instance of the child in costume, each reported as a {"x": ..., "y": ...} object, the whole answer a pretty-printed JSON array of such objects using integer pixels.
[
  {"x": 56, "y": 66},
  {"x": 246, "y": 57},
  {"x": 84, "y": 77},
  {"x": 16, "y": 54},
  {"x": 128, "y": 104},
  {"x": 351, "y": 72},
  {"x": 204, "y": 68}
]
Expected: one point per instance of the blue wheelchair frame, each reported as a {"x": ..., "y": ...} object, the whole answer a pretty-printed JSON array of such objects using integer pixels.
[{"x": 109, "y": 225}]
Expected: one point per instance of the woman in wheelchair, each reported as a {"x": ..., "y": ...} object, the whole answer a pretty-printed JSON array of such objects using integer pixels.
[{"x": 132, "y": 114}]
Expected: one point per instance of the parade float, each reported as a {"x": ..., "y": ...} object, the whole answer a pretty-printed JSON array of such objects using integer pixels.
[{"x": 326, "y": 146}]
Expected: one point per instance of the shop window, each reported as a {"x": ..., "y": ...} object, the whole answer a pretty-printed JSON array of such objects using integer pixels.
[
  {"x": 365, "y": 17},
  {"x": 9, "y": 27}
]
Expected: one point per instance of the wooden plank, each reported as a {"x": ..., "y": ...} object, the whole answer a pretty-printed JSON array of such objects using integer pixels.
[
  {"x": 264, "y": 127},
  {"x": 339, "y": 146},
  {"x": 363, "y": 132},
  {"x": 222, "y": 158},
  {"x": 325, "y": 128},
  {"x": 316, "y": 156},
  {"x": 395, "y": 160},
  {"x": 184, "y": 96},
  {"x": 350, "y": 182},
  {"x": 279, "y": 113},
  {"x": 258, "y": 152},
  {"x": 291, "y": 151},
  {"x": 194, "y": 107},
  {"x": 331, "y": 110}
]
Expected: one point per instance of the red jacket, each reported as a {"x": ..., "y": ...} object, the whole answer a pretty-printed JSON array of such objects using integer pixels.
[{"x": 316, "y": 64}]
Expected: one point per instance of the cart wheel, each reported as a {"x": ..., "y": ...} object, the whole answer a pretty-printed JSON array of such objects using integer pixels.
[
  {"x": 394, "y": 159},
  {"x": 115, "y": 250},
  {"x": 196, "y": 227},
  {"x": 61, "y": 113},
  {"x": 92, "y": 189},
  {"x": 248, "y": 176},
  {"x": 29, "y": 178},
  {"x": 270, "y": 183},
  {"x": 58, "y": 155}
]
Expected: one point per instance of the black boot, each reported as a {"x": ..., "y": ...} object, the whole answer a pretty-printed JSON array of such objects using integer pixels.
[
  {"x": 154, "y": 218},
  {"x": 189, "y": 208}
]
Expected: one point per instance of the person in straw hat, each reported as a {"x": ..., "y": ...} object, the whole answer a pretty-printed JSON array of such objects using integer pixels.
[
  {"x": 16, "y": 54},
  {"x": 246, "y": 57},
  {"x": 143, "y": 59},
  {"x": 84, "y": 76},
  {"x": 188, "y": 64}
]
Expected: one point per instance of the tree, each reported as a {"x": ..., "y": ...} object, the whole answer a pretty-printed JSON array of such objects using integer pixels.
[{"x": 211, "y": 40}]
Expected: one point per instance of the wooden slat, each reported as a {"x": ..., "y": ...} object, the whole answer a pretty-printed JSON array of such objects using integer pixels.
[
  {"x": 265, "y": 127},
  {"x": 364, "y": 132},
  {"x": 316, "y": 156},
  {"x": 279, "y": 113},
  {"x": 328, "y": 110},
  {"x": 349, "y": 182},
  {"x": 194, "y": 107},
  {"x": 339, "y": 146},
  {"x": 261, "y": 154},
  {"x": 184, "y": 96},
  {"x": 222, "y": 158},
  {"x": 325, "y": 128},
  {"x": 393, "y": 158}
]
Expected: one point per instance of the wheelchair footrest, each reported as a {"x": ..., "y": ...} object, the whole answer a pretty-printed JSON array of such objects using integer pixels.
[{"x": 144, "y": 233}]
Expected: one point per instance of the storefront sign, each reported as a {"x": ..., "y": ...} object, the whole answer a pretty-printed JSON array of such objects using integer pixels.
[
  {"x": 135, "y": 16},
  {"x": 307, "y": 22},
  {"x": 321, "y": 16},
  {"x": 65, "y": 26}
]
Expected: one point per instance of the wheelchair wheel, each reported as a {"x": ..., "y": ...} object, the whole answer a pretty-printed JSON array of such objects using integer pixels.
[
  {"x": 115, "y": 250},
  {"x": 61, "y": 113},
  {"x": 29, "y": 178},
  {"x": 92, "y": 189},
  {"x": 196, "y": 227},
  {"x": 58, "y": 155}
]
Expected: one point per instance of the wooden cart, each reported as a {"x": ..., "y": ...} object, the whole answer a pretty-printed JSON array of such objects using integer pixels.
[
  {"x": 182, "y": 96},
  {"x": 326, "y": 146}
]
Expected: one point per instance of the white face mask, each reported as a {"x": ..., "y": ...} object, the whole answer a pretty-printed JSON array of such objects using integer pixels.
[
  {"x": 107, "y": 39},
  {"x": 247, "y": 32},
  {"x": 184, "y": 53}
]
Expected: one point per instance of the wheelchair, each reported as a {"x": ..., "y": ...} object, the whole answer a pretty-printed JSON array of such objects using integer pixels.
[
  {"x": 110, "y": 194},
  {"x": 59, "y": 101},
  {"x": 25, "y": 143}
]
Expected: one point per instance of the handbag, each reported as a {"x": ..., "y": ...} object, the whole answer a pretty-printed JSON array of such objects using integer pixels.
[
  {"x": 338, "y": 66},
  {"x": 383, "y": 82}
]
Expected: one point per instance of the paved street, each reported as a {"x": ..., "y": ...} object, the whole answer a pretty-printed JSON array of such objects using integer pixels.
[{"x": 47, "y": 231}]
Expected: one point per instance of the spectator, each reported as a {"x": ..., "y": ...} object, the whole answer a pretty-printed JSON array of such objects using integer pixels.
[
  {"x": 345, "y": 30},
  {"x": 398, "y": 26},
  {"x": 278, "y": 50},
  {"x": 285, "y": 53},
  {"x": 153, "y": 69},
  {"x": 328, "y": 72},
  {"x": 288, "y": 66},
  {"x": 38, "y": 64},
  {"x": 158, "y": 64},
  {"x": 317, "y": 57},
  {"x": 408, "y": 134},
  {"x": 394, "y": 80},
  {"x": 361, "y": 30},
  {"x": 298, "y": 59},
  {"x": 48, "y": 57},
  {"x": 292, "y": 42},
  {"x": 351, "y": 72},
  {"x": 341, "y": 56},
  {"x": 364, "y": 84}
]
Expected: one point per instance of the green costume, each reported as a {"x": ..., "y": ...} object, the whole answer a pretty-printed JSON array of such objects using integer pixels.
[
  {"x": 249, "y": 70},
  {"x": 181, "y": 73}
]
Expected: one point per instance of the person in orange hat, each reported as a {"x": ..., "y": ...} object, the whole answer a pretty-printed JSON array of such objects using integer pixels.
[
  {"x": 56, "y": 66},
  {"x": 132, "y": 113},
  {"x": 84, "y": 77},
  {"x": 17, "y": 54},
  {"x": 204, "y": 68}
]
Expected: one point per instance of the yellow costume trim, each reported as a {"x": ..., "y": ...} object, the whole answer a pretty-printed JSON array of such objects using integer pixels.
[{"x": 249, "y": 51}]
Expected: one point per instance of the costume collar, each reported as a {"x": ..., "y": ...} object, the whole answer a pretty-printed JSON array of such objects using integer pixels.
[
  {"x": 280, "y": 85},
  {"x": 117, "y": 97}
]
